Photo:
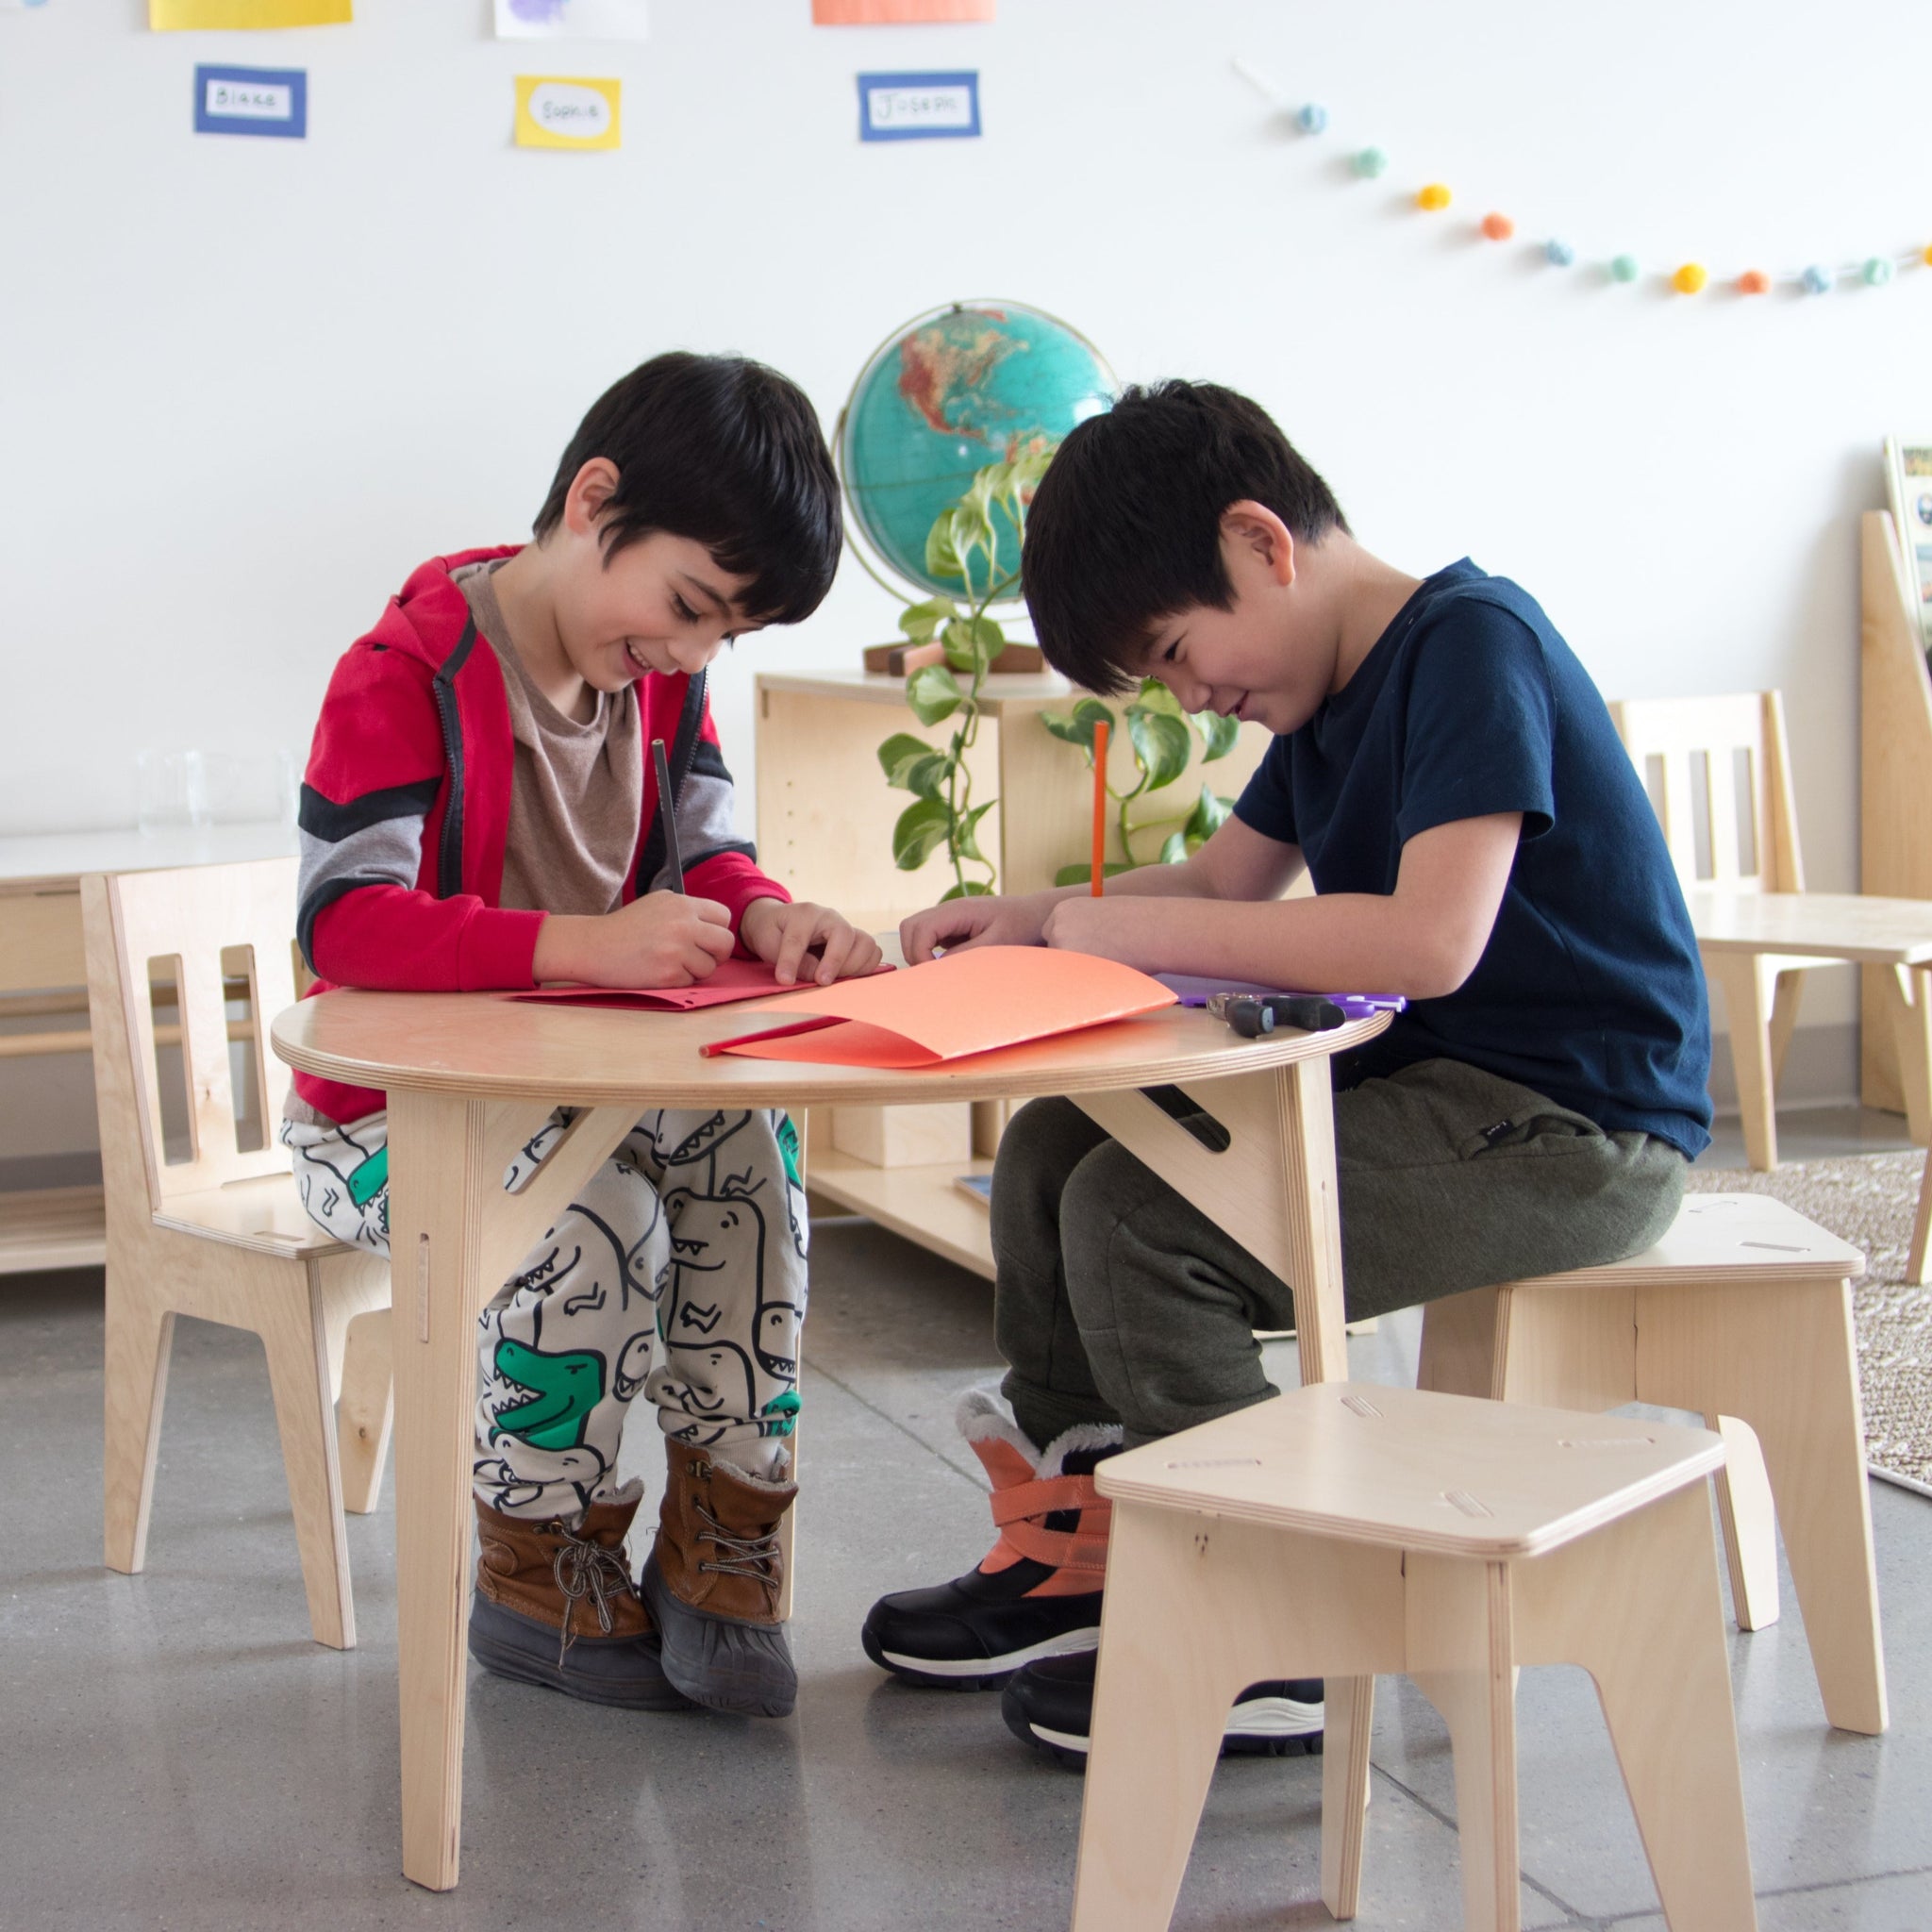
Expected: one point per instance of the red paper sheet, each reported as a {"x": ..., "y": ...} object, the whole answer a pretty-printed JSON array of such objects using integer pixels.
[
  {"x": 733, "y": 979},
  {"x": 969, "y": 1003},
  {"x": 896, "y": 12}
]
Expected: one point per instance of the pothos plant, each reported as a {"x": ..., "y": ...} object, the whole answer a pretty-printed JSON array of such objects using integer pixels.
[
  {"x": 1162, "y": 736},
  {"x": 963, "y": 542}
]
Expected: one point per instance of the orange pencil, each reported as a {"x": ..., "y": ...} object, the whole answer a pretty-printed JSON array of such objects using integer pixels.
[{"x": 1099, "y": 807}]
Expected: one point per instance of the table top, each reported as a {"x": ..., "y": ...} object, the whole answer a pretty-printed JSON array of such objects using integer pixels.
[
  {"x": 479, "y": 1045},
  {"x": 1830, "y": 925},
  {"x": 68, "y": 855},
  {"x": 1031, "y": 687}
]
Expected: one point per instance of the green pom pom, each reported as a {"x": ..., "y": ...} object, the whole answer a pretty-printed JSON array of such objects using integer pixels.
[
  {"x": 1877, "y": 271},
  {"x": 1623, "y": 268},
  {"x": 1370, "y": 161}
]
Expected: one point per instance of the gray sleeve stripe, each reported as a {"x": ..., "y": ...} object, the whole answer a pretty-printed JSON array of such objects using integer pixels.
[{"x": 389, "y": 853}]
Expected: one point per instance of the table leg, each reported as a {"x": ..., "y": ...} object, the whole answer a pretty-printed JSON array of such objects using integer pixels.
[
  {"x": 1273, "y": 1189},
  {"x": 454, "y": 1234}
]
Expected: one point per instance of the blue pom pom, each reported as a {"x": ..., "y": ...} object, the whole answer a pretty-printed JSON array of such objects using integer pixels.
[
  {"x": 1558, "y": 254},
  {"x": 1313, "y": 118},
  {"x": 1818, "y": 281}
]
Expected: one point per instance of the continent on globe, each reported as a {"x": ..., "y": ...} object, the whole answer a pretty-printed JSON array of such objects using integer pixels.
[{"x": 956, "y": 389}]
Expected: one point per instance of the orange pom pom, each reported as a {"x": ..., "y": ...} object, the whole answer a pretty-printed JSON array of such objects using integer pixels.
[
  {"x": 1498, "y": 228},
  {"x": 1926, "y": 258},
  {"x": 1689, "y": 279},
  {"x": 1754, "y": 281},
  {"x": 1432, "y": 197}
]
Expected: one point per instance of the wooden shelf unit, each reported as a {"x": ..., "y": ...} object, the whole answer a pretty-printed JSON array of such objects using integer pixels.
[{"x": 1896, "y": 775}]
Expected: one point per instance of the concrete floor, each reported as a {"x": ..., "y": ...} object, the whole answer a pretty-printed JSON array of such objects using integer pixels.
[{"x": 180, "y": 1756}]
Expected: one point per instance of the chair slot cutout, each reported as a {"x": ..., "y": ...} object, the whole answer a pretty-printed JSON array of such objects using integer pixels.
[
  {"x": 247, "y": 1075},
  {"x": 1192, "y": 1117},
  {"x": 1701, "y": 815},
  {"x": 1745, "y": 792},
  {"x": 168, "y": 1069}
]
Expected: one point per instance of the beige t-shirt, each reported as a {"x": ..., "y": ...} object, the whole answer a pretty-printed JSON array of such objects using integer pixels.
[{"x": 577, "y": 791}]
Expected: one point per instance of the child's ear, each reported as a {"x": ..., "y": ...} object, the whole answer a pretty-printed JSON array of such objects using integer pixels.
[
  {"x": 1255, "y": 529},
  {"x": 591, "y": 489}
]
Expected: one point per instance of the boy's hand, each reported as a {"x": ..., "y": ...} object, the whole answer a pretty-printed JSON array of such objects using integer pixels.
[
  {"x": 1128, "y": 929},
  {"x": 664, "y": 939},
  {"x": 980, "y": 921},
  {"x": 806, "y": 941}
]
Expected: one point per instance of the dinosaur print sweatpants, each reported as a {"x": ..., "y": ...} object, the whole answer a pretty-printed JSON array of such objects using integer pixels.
[{"x": 678, "y": 1274}]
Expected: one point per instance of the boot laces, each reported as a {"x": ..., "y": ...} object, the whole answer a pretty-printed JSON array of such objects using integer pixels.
[
  {"x": 584, "y": 1568},
  {"x": 756, "y": 1556}
]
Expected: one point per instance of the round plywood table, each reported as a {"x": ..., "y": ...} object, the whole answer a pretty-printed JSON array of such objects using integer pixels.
[{"x": 470, "y": 1077}]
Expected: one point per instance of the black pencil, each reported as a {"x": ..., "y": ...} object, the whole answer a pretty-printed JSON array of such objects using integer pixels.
[{"x": 667, "y": 815}]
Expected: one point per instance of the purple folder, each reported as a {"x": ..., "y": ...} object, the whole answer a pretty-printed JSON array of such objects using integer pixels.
[{"x": 1194, "y": 991}]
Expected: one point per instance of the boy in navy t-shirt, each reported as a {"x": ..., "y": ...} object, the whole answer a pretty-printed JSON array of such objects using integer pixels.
[{"x": 1478, "y": 841}]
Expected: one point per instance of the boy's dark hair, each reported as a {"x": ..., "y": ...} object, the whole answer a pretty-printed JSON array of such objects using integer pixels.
[
  {"x": 1124, "y": 530},
  {"x": 729, "y": 453}
]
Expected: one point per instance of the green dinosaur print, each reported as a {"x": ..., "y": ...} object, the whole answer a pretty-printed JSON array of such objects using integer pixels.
[
  {"x": 780, "y": 1414},
  {"x": 788, "y": 1148},
  {"x": 565, "y": 1389},
  {"x": 368, "y": 1179}
]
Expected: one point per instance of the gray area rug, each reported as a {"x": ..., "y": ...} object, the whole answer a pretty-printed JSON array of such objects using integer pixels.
[{"x": 1869, "y": 1199}]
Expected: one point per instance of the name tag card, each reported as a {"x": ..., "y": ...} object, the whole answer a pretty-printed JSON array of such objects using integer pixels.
[
  {"x": 556, "y": 111},
  {"x": 252, "y": 100},
  {"x": 917, "y": 107}
]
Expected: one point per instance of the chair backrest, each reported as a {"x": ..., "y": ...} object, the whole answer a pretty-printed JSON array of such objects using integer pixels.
[
  {"x": 1718, "y": 771},
  {"x": 216, "y": 930}
]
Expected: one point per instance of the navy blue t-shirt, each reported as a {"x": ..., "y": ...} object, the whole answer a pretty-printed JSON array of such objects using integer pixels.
[{"x": 1590, "y": 989}]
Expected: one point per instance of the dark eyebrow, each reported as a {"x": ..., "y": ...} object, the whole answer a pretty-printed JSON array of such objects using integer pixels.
[{"x": 720, "y": 604}]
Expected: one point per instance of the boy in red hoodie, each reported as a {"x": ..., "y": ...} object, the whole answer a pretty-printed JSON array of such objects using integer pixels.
[{"x": 480, "y": 812}]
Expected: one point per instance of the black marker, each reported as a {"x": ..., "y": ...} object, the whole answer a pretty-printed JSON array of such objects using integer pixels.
[{"x": 673, "y": 859}]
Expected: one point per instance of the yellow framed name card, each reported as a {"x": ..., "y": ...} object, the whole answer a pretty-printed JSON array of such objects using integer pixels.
[
  {"x": 178, "y": 16},
  {"x": 555, "y": 110}
]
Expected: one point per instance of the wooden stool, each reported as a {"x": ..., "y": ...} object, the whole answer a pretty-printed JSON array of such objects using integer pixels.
[
  {"x": 1742, "y": 1314},
  {"x": 1346, "y": 1530}
]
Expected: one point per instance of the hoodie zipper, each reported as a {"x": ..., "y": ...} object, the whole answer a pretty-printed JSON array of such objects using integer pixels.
[{"x": 449, "y": 851}]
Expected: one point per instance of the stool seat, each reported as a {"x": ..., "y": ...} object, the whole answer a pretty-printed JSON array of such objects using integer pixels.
[
  {"x": 1345, "y": 1530},
  {"x": 1362, "y": 1463}
]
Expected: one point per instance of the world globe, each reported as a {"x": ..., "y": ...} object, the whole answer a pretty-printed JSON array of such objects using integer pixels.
[{"x": 955, "y": 388}]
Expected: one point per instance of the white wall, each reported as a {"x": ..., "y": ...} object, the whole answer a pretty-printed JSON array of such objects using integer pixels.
[{"x": 245, "y": 385}]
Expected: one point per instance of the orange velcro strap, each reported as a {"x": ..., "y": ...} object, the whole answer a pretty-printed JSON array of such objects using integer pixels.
[
  {"x": 1025, "y": 1500},
  {"x": 1060, "y": 1549}
]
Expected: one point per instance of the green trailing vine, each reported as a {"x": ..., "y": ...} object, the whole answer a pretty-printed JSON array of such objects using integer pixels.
[
  {"x": 963, "y": 542},
  {"x": 1162, "y": 736}
]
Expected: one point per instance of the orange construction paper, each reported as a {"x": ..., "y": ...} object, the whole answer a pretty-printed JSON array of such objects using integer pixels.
[
  {"x": 970, "y": 1002},
  {"x": 731, "y": 981},
  {"x": 896, "y": 12}
]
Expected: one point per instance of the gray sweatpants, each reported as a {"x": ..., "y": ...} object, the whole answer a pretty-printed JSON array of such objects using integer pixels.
[{"x": 1116, "y": 1300}]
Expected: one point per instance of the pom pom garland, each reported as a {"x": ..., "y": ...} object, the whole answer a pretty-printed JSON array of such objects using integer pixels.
[{"x": 1687, "y": 279}]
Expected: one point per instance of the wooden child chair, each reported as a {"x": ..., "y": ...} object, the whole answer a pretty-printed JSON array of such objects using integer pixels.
[
  {"x": 222, "y": 1233},
  {"x": 1742, "y": 1314},
  {"x": 1347, "y": 1529},
  {"x": 1719, "y": 771}
]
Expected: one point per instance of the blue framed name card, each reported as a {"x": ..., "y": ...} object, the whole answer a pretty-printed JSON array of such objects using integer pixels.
[
  {"x": 917, "y": 107},
  {"x": 252, "y": 100}
]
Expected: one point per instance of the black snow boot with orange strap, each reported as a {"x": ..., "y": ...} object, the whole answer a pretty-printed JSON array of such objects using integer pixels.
[{"x": 1037, "y": 1593}]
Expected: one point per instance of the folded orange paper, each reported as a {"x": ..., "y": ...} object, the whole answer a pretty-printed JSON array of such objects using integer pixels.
[{"x": 967, "y": 1002}]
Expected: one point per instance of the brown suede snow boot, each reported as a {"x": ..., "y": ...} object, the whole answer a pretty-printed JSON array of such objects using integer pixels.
[
  {"x": 713, "y": 1581},
  {"x": 556, "y": 1607}
]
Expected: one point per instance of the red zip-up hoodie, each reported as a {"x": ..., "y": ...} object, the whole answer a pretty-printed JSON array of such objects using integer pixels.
[{"x": 406, "y": 812}]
